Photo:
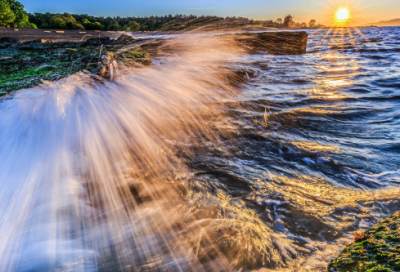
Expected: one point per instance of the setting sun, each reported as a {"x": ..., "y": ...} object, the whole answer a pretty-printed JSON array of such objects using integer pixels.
[{"x": 342, "y": 15}]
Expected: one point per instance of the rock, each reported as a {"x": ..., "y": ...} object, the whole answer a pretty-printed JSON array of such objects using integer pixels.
[
  {"x": 125, "y": 39},
  {"x": 99, "y": 41},
  {"x": 135, "y": 56},
  {"x": 35, "y": 45},
  {"x": 41, "y": 44},
  {"x": 107, "y": 58},
  {"x": 276, "y": 43},
  {"x": 9, "y": 43},
  {"x": 375, "y": 40},
  {"x": 377, "y": 249}
]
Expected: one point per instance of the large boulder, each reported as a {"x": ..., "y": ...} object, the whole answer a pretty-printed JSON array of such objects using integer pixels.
[
  {"x": 125, "y": 39},
  {"x": 99, "y": 41},
  {"x": 276, "y": 43}
]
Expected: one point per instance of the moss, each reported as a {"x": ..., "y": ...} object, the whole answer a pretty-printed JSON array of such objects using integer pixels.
[
  {"x": 380, "y": 268},
  {"x": 380, "y": 252},
  {"x": 381, "y": 228},
  {"x": 363, "y": 243},
  {"x": 135, "y": 55},
  {"x": 24, "y": 69}
]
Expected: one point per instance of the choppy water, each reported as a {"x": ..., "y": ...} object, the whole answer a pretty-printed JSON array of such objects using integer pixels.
[{"x": 191, "y": 167}]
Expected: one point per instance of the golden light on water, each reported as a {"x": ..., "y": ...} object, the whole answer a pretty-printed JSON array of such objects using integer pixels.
[
  {"x": 342, "y": 15},
  {"x": 315, "y": 147}
]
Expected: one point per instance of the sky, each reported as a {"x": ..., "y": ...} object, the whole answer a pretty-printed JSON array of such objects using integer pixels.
[{"x": 361, "y": 11}]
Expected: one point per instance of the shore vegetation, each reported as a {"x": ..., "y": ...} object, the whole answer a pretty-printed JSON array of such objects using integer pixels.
[{"x": 156, "y": 23}]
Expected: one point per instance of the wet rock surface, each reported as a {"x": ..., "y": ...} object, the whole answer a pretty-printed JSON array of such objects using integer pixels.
[
  {"x": 377, "y": 249},
  {"x": 129, "y": 57},
  {"x": 276, "y": 43}
]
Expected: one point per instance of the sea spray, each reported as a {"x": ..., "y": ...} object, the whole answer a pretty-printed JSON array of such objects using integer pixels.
[{"x": 90, "y": 174}]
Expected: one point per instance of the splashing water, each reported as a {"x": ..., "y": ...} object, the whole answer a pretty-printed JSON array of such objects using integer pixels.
[{"x": 149, "y": 172}]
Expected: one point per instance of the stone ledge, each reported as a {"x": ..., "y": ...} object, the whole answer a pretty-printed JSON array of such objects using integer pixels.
[{"x": 42, "y": 44}]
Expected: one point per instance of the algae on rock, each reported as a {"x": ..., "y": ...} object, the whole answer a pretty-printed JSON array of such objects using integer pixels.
[{"x": 378, "y": 249}]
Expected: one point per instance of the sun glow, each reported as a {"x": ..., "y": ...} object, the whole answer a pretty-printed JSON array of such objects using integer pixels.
[{"x": 342, "y": 15}]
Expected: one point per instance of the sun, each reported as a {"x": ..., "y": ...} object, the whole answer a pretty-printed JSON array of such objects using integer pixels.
[{"x": 342, "y": 15}]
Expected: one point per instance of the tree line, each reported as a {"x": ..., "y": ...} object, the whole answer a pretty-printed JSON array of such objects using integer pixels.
[
  {"x": 288, "y": 22},
  {"x": 167, "y": 22},
  {"x": 84, "y": 21},
  {"x": 12, "y": 14}
]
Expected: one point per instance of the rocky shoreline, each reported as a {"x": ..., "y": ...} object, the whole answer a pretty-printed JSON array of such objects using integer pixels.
[{"x": 27, "y": 64}]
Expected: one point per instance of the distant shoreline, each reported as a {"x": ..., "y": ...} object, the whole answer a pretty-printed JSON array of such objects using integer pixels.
[{"x": 82, "y": 35}]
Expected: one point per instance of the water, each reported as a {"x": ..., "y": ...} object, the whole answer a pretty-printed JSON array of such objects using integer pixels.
[{"x": 214, "y": 160}]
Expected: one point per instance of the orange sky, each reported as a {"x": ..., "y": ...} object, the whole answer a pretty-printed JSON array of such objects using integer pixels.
[{"x": 324, "y": 11}]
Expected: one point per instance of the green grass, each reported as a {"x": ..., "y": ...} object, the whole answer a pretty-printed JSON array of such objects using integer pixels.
[{"x": 25, "y": 69}]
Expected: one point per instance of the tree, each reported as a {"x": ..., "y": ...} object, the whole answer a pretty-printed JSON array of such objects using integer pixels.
[
  {"x": 86, "y": 22},
  {"x": 151, "y": 23},
  {"x": 312, "y": 23},
  {"x": 91, "y": 26},
  {"x": 279, "y": 21},
  {"x": 133, "y": 26},
  {"x": 17, "y": 17},
  {"x": 74, "y": 25},
  {"x": 42, "y": 20},
  {"x": 57, "y": 21},
  {"x": 7, "y": 16},
  {"x": 96, "y": 26},
  {"x": 288, "y": 21},
  {"x": 268, "y": 23},
  {"x": 21, "y": 17},
  {"x": 65, "y": 21}
]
